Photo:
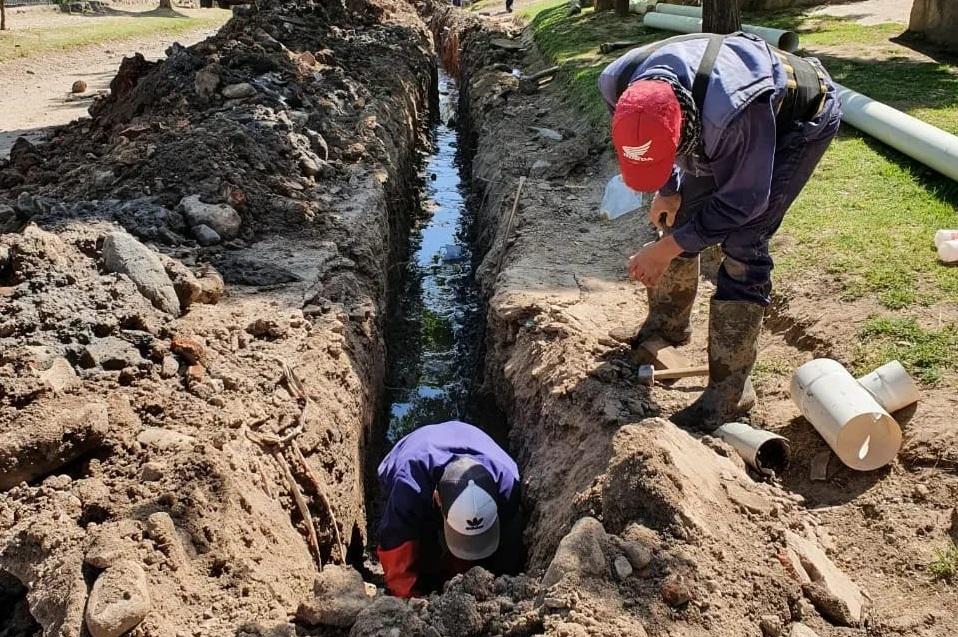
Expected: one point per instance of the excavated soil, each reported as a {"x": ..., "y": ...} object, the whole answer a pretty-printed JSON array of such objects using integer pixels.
[{"x": 195, "y": 286}]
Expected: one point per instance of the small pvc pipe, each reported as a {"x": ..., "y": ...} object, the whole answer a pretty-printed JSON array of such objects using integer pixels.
[
  {"x": 891, "y": 386},
  {"x": 945, "y": 235},
  {"x": 860, "y": 432},
  {"x": 688, "y": 19},
  {"x": 764, "y": 451}
]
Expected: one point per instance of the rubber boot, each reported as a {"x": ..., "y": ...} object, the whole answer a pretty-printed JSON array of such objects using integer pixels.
[
  {"x": 670, "y": 307},
  {"x": 734, "y": 327}
]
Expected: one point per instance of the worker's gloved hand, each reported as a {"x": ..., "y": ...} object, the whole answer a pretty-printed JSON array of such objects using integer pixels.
[{"x": 663, "y": 210}]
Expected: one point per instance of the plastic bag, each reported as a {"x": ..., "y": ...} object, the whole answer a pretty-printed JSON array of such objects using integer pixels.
[{"x": 619, "y": 199}]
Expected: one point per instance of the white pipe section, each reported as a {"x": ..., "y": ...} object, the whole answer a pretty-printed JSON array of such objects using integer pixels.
[
  {"x": 860, "y": 432},
  {"x": 766, "y": 452},
  {"x": 891, "y": 386},
  {"x": 920, "y": 141},
  {"x": 640, "y": 7},
  {"x": 686, "y": 19}
]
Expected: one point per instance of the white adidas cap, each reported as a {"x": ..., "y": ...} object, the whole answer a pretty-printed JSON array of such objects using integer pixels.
[{"x": 469, "y": 510}]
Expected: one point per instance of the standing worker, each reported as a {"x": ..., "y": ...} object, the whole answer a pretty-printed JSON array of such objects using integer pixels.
[
  {"x": 451, "y": 503},
  {"x": 727, "y": 130}
]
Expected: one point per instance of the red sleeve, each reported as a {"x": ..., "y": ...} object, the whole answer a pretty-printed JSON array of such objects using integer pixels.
[{"x": 399, "y": 567}]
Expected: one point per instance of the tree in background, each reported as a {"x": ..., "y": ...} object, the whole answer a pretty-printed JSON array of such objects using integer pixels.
[
  {"x": 604, "y": 5},
  {"x": 622, "y": 8},
  {"x": 3, "y": 15},
  {"x": 721, "y": 16},
  {"x": 166, "y": 4}
]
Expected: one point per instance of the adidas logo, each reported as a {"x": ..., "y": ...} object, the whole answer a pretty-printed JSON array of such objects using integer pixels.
[
  {"x": 637, "y": 153},
  {"x": 474, "y": 524}
]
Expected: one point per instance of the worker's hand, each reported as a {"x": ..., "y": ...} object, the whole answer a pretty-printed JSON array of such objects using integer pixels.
[
  {"x": 666, "y": 206},
  {"x": 648, "y": 264}
]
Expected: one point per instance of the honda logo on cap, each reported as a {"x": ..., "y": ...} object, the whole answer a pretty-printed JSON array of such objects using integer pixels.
[{"x": 637, "y": 153}]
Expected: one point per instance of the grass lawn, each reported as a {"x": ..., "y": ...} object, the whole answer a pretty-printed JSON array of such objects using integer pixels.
[
  {"x": 94, "y": 30},
  {"x": 867, "y": 218}
]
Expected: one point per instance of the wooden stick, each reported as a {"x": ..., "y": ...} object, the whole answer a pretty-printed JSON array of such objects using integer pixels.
[
  {"x": 320, "y": 488},
  {"x": 300, "y": 504},
  {"x": 512, "y": 218}
]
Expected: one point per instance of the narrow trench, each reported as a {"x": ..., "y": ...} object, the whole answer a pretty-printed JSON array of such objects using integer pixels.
[
  {"x": 434, "y": 337},
  {"x": 15, "y": 617}
]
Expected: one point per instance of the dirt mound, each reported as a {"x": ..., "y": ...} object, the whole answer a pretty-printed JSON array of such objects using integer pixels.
[{"x": 192, "y": 292}]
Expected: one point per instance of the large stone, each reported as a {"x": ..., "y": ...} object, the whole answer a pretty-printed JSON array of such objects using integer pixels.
[
  {"x": 340, "y": 595},
  {"x": 60, "y": 376},
  {"x": 160, "y": 438},
  {"x": 122, "y": 253},
  {"x": 207, "y": 80},
  {"x": 831, "y": 591},
  {"x": 110, "y": 353},
  {"x": 239, "y": 91},
  {"x": 120, "y": 600},
  {"x": 221, "y": 218},
  {"x": 580, "y": 554},
  {"x": 390, "y": 616}
]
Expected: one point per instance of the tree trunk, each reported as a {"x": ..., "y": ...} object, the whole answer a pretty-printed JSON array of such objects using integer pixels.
[
  {"x": 721, "y": 16},
  {"x": 166, "y": 4},
  {"x": 622, "y": 8},
  {"x": 603, "y": 5},
  {"x": 936, "y": 21},
  {"x": 3, "y": 15}
]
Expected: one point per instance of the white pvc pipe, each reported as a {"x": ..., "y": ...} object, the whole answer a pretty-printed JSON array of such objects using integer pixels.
[
  {"x": 690, "y": 22},
  {"x": 860, "y": 432},
  {"x": 920, "y": 141},
  {"x": 766, "y": 452},
  {"x": 891, "y": 386}
]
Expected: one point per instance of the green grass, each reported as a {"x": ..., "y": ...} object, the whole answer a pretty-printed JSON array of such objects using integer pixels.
[
  {"x": 866, "y": 219},
  {"x": 924, "y": 353},
  {"x": 94, "y": 30},
  {"x": 944, "y": 566}
]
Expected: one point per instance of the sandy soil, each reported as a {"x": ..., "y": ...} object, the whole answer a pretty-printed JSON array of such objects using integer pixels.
[
  {"x": 37, "y": 89},
  {"x": 871, "y": 11}
]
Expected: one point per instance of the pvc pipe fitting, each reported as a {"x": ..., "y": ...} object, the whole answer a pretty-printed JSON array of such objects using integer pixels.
[
  {"x": 688, "y": 19},
  {"x": 764, "y": 451},
  {"x": 860, "y": 432},
  {"x": 945, "y": 235},
  {"x": 948, "y": 251},
  {"x": 891, "y": 386}
]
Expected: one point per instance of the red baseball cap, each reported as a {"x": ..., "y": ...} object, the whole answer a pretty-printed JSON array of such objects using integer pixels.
[{"x": 646, "y": 130}]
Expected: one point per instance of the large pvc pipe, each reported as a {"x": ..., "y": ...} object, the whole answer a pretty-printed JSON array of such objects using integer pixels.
[
  {"x": 860, "y": 432},
  {"x": 658, "y": 19},
  {"x": 929, "y": 145},
  {"x": 766, "y": 452},
  {"x": 891, "y": 386}
]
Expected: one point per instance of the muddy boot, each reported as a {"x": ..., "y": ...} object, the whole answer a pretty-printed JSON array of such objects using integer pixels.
[
  {"x": 670, "y": 308},
  {"x": 734, "y": 327}
]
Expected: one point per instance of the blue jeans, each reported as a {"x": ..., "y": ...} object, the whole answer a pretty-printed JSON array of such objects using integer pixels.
[{"x": 746, "y": 270}]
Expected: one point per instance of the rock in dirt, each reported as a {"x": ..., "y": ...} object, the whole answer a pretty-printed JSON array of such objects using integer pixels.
[
  {"x": 580, "y": 554},
  {"x": 60, "y": 376},
  {"x": 801, "y": 630},
  {"x": 78, "y": 87},
  {"x": 206, "y": 288},
  {"x": 159, "y": 438},
  {"x": 835, "y": 596},
  {"x": 110, "y": 353},
  {"x": 548, "y": 133},
  {"x": 120, "y": 600},
  {"x": 223, "y": 219},
  {"x": 205, "y": 236},
  {"x": 622, "y": 566},
  {"x": 239, "y": 91},
  {"x": 390, "y": 616},
  {"x": 207, "y": 80},
  {"x": 340, "y": 597},
  {"x": 122, "y": 253},
  {"x": 818, "y": 468},
  {"x": 268, "y": 328},
  {"x": 675, "y": 591},
  {"x": 45, "y": 436},
  {"x": 771, "y": 626}
]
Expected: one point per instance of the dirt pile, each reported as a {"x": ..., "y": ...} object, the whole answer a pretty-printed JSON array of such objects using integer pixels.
[{"x": 192, "y": 292}]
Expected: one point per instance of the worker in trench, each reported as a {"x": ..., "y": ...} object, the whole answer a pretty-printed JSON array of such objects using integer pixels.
[
  {"x": 726, "y": 131},
  {"x": 451, "y": 503}
]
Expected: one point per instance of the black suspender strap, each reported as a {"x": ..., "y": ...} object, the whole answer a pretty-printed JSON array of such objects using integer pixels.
[{"x": 701, "y": 84}]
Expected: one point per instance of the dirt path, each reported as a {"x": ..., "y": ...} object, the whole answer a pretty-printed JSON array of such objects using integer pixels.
[
  {"x": 871, "y": 11},
  {"x": 37, "y": 89}
]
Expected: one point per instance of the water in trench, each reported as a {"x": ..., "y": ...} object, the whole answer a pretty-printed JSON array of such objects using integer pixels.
[{"x": 434, "y": 340}]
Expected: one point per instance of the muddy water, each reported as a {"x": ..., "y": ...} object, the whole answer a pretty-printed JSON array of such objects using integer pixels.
[{"x": 434, "y": 339}]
